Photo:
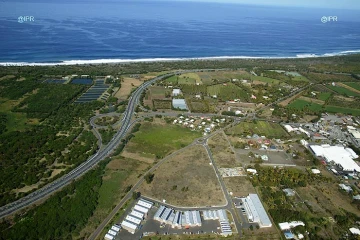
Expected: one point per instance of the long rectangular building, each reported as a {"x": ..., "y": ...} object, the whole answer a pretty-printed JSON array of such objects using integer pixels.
[
  {"x": 255, "y": 211},
  {"x": 130, "y": 227},
  {"x": 144, "y": 204}
]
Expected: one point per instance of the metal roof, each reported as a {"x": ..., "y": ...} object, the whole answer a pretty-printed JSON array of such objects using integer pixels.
[{"x": 257, "y": 210}]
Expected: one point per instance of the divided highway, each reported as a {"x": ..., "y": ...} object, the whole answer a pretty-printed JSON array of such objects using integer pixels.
[{"x": 93, "y": 160}]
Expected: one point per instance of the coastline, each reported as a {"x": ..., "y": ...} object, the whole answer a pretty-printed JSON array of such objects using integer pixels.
[{"x": 148, "y": 60}]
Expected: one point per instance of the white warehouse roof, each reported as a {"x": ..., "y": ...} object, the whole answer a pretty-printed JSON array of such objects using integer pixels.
[
  {"x": 109, "y": 237},
  {"x": 179, "y": 103},
  {"x": 137, "y": 214},
  {"x": 141, "y": 209},
  {"x": 128, "y": 225},
  {"x": 133, "y": 219},
  {"x": 144, "y": 204},
  {"x": 337, "y": 154},
  {"x": 288, "y": 225},
  {"x": 257, "y": 210}
]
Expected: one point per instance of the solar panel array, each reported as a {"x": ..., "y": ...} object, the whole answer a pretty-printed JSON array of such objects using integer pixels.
[
  {"x": 94, "y": 92},
  {"x": 57, "y": 81}
]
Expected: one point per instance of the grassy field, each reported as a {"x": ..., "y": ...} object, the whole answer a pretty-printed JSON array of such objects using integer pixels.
[
  {"x": 270, "y": 130},
  {"x": 301, "y": 104},
  {"x": 187, "y": 78},
  {"x": 223, "y": 155},
  {"x": 158, "y": 92},
  {"x": 186, "y": 179},
  {"x": 324, "y": 96},
  {"x": 334, "y": 109},
  {"x": 119, "y": 174},
  {"x": 265, "y": 79},
  {"x": 227, "y": 92},
  {"x": 159, "y": 139},
  {"x": 343, "y": 91},
  {"x": 239, "y": 186},
  {"x": 354, "y": 85},
  {"x": 162, "y": 104},
  {"x": 127, "y": 85}
]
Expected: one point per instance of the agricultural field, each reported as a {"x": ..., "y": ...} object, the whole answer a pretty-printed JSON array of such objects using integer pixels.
[
  {"x": 227, "y": 92},
  {"x": 222, "y": 152},
  {"x": 127, "y": 85},
  {"x": 343, "y": 91},
  {"x": 119, "y": 174},
  {"x": 324, "y": 96},
  {"x": 266, "y": 79},
  {"x": 209, "y": 78},
  {"x": 186, "y": 179},
  {"x": 162, "y": 104},
  {"x": 334, "y": 109},
  {"x": 186, "y": 78},
  {"x": 158, "y": 139},
  {"x": 324, "y": 78},
  {"x": 159, "y": 92},
  {"x": 262, "y": 128},
  {"x": 354, "y": 85},
  {"x": 302, "y": 104}
]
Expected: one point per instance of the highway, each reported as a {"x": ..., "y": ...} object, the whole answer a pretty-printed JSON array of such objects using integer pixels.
[{"x": 95, "y": 159}]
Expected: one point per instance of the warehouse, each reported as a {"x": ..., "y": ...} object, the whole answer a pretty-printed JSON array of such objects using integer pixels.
[
  {"x": 132, "y": 219},
  {"x": 177, "y": 220},
  {"x": 109, "y": 237},
  {"x": 191, "y": 218},
  {"x": 145, "y": 204},
  {"x": 340, "y": 156},
  {"x": 159, "y": 212},
  {"x": 141, "y": 209},
  {"x": 130, "y": 227},
  {"x": 255, "y": 211},
  {"x": 137, "y": 214}
]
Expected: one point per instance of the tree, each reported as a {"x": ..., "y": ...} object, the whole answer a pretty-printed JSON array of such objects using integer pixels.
[
  {"x": 149, "y": 177},
  {"x": 136, "y": 195}
]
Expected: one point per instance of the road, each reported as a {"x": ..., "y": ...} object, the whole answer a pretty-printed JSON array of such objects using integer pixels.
[{"x": 95, "y": 159}]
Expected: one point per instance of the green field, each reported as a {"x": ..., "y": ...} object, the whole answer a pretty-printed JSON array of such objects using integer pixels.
[
  {"x": 343, "y": 91},
  {"x": 187, "y": 78},
  {"x": 354, "y": 85},
  {"x": 173, "y": 79},
  {"x": 265, "y": 79},
  {"x": 301, "y": 104},
  {"x": 159, "y": 139},
  {"x": 324, "y": 96},
  {"x": 262, "y": 128},
  {"x": 334, "y": 109},
  {"x": 227, "y": 92}
]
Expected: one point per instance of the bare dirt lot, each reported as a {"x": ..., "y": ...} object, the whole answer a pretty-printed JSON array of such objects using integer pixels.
[
  {"x": 126, "y": 86},
  {"x": 186, "y": 179},
  {"x": 223, "y": 155},
  {"x": 239, "y": 186}
]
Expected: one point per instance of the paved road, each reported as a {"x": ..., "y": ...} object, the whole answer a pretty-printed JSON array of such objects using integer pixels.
[{"x": 93, "y": 160}]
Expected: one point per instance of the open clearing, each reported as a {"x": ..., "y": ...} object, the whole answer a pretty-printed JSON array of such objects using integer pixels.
[
  {"x": 262, "y": 128},
  {"x": 354, "y": 87},
  {"x": 222, "y": 153},
  {"x": 159, "y": 139},
  {"x": 127, "y": 85},
  {"x": 186, "y": 179},
  {"x": 239, "y": 186}
]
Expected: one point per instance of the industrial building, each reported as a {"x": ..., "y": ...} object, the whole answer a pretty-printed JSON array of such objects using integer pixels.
[
  {"x": 340, "y": 156},
  {"x": 179, "y": 103},
  {"x": 215, "y": 215},
  {"x": 137, "y": 214},
  {"x": 255, "y": 211},
  {"x": 132, "y": 219},
  {"x": 191, "y": 219},
  {"x": 145, "y": 203},
  {"x": 130, "y": 227},
  {"x": 176, "y": 92},
  {"x": 141, "y": 209},
  {"x": 177, "y": 220}
]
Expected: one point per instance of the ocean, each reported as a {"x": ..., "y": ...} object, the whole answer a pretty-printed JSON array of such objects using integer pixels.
[{"x": 86, "y": 31}]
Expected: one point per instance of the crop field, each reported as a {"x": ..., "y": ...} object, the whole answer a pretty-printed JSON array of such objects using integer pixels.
[
  {"x": 302, "y": 104},
  {"x": 222, "y": 76},
  {"x": 262, "y": 128},
  {"x": 335, "y": 109},
  {"x": 324, "y": 96},
  {"x": 200, "y": 106},
  {"x": 158, "y": 92},
  {"x": 159, "y": 139},
  {"x": 222, "y": 153},
  {"x": 186, "y": 179},
  {"x": 162, "y": 104},
  {"x": 343, "y": 91},
  {"x": 227, "y": 92},
  {"x": 354, "y": 85},
  {"x": 265, "y": 79},
  {"x": 187, "y": 78}
]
